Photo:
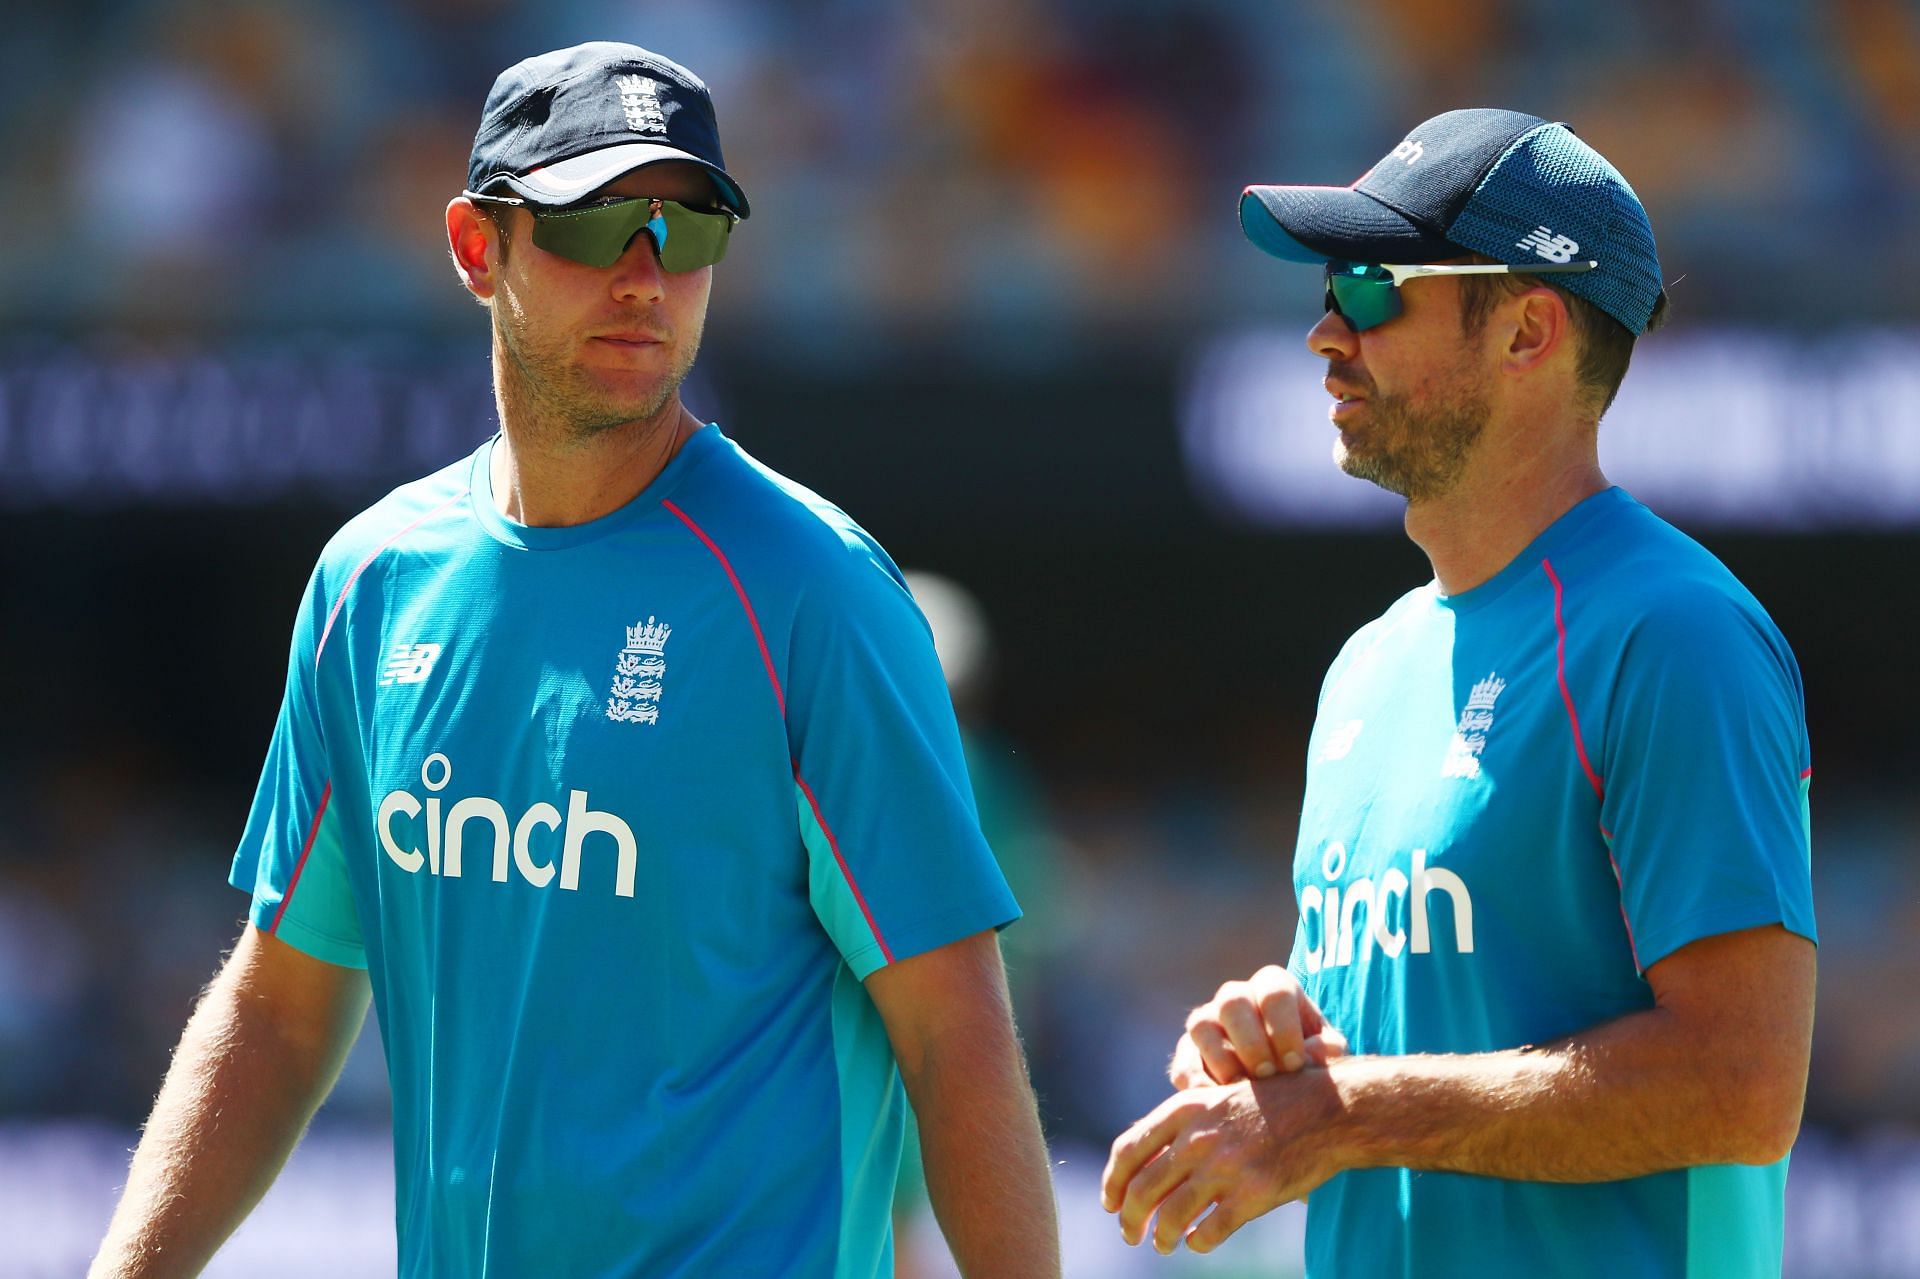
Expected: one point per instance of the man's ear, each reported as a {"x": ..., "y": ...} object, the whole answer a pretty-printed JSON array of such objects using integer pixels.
[
  {"x": 474, "y": 243},
  {"x": 1539, "y": 325}
]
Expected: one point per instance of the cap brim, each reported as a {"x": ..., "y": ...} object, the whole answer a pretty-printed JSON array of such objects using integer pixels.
[
  {"x": 1335, "y": 224},
  {"x": 577, "y": 177}
]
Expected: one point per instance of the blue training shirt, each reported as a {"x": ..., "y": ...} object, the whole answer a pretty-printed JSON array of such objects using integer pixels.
[
  {"x": 1519, "y": 798},
  {"x": 618, "y": 817}
]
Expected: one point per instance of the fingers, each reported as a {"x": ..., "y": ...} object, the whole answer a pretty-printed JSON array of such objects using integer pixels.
[
  {"x": 1241, "y": 1017},
  {"x": 1185, "y": 1062},
  {"x": 1227, "y": 1216},
  {"x": 1177, "y": 1212},
  {"x": 1280, "y": 1013},
  {"x": 1150, "y": 1187},
  {"x": 1218, "y": 1057},
  {"x": 1133, "y": 1149},
  {"x": 1261, "y": 1027},
  {"x": 1325, "y": 1046}
]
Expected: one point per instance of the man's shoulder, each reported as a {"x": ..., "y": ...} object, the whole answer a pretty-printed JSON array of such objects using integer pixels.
[
  {"x": 775, "y": 527},
  {"x": 414, "y": 509},
  {"x": 1645, "y": 567},
  {"x": 1405, "y": 611},
  {"x": 1412, "y": 605},
  {"x": 1648, "y": 585}
]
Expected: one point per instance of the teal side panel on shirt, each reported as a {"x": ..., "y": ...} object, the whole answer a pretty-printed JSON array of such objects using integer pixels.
[
  {"x": 1736, "y": 1220},
  {"x": 1806, "y": 814},
  {"x": 319, "y": 916},
  {"x": 870, "y": 1137},
  {"x": 833, "y": 898}
]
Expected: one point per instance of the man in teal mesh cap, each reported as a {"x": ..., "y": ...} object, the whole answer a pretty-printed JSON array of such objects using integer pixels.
[{"x": 1550, "y": 997}]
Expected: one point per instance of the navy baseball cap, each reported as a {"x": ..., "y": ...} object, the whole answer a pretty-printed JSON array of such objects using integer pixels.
[
  {"x": 1505, "y": 184},
  {"x": 561, "y": 125}
]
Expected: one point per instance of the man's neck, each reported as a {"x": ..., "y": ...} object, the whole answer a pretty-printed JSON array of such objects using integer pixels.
[
  {"x": 1476, "y": 529},
  {"x": 546, "y": 474}
]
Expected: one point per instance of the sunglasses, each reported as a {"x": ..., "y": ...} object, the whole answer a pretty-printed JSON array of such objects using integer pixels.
[
  {"x": 1367, "y": 295},
  {"x": 597, "y": 233}
]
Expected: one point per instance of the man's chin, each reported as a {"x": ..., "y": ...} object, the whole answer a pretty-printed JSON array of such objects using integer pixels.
[{"x": 1362, "y": 467}]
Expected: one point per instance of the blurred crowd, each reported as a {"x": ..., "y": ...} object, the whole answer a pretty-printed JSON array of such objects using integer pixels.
[{"x": 1027, "y": 171}]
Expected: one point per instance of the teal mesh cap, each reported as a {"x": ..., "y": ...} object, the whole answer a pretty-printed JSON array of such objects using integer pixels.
[{"x": 1512, "y": 186}]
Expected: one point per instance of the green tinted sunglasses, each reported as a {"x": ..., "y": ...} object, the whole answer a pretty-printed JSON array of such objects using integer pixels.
[
  {"x": 1367, "y": 295},
  {"x": 598, "y": 232}
]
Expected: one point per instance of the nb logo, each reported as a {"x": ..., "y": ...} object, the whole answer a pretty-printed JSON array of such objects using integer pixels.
[
  {"x": 1340, "y": 741},
  {"x": 1410, "y": 151},
  {"x": 1554, "y": 248},
  {"x": 409, "y": 663}
]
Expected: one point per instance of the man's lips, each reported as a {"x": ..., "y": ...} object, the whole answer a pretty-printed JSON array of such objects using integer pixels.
[
  {"x": 630, "y": 339},
  {"x": 1342, "y": 392}
]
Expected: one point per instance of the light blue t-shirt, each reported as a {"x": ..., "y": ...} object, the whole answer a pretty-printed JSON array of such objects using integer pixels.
[
  {"x": 1518, "y": 799},
  {"x": 618, "y": 817}
]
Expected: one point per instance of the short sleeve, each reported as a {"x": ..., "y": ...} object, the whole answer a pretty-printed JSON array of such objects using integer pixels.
[
  {"x": 1705, "y": 775},
  {"x": 291, "y": 857},
  {"x": 897, "y": 864}
]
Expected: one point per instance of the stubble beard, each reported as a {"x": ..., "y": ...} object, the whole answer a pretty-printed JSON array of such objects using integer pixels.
[
  {"x": 1418, "y": 450},
  {"x": 538, "y": 383}
]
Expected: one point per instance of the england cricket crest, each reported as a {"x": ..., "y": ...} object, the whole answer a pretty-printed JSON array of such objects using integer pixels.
[
  {"x": 638, "y": 674},
  {"x": 1470, "y": 736}
]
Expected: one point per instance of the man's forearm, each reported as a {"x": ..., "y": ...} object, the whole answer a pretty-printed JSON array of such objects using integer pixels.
[
  {"x": 1625, "y": 1099},
  {"x": 236, "y": 1099},
  {"x": 986, "y": 1160}
]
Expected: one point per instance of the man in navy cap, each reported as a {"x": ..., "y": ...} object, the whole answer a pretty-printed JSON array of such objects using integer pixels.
[
  {"x": 619, "y": 773},
  {"x": 1550, "y": 999}
]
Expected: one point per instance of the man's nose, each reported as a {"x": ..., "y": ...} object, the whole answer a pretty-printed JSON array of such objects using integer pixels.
[
  {"x": 638, "y": 272},
  {"x": 1333, "y": 338}
]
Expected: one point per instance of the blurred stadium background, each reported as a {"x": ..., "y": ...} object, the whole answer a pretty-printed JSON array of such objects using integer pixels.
[{"x": 993, "y": 300}]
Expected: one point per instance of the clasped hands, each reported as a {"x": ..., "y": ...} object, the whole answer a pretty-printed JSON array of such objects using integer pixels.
[{"x": 1248, "y": 1128}]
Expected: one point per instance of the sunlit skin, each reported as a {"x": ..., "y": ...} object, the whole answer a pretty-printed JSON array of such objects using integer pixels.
[
  {"x": 1412, "y": 437},
  {"x": 587, "y": 361},
  {"x": 1483, "y": 433}
]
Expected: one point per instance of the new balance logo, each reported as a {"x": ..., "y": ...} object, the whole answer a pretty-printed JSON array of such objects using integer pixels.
[
  {"x": 1410, "y": 151},
  {"x": 1554, "y": 248},
  {"x": 409, "y": 663},
  {"x": 1340, "y": 741}
]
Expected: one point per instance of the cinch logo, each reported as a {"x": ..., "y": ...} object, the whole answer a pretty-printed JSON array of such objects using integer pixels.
[
  {"x": 1397, "y": 896},
  {"x": 446, "y": 836}
]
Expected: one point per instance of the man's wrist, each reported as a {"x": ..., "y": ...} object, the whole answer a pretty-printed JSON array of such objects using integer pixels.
[
  {"x": 1317, "y": 1114},
  {"x": 1355, "y": 1139}
]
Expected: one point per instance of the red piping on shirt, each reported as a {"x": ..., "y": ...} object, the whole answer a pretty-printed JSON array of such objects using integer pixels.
[
  {"x": 752, "y": 619},
  {"x": 354, "y": 576},
  {"x": 1580, "y": 748},
  {"x": 1573, "y": 718},
  {"x": 1804, "y": 776},
  {"x": 313, "y": 833},
  {"x": 1633, "y": 947},
  {"x": 779, "y": 696}
]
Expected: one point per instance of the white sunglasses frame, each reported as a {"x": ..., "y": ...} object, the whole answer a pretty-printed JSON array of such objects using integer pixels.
[{"x": 1402, "y": 272}]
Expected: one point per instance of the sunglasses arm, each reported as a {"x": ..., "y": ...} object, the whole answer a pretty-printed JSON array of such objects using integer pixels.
[{"x": 1402, "y": 273}]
